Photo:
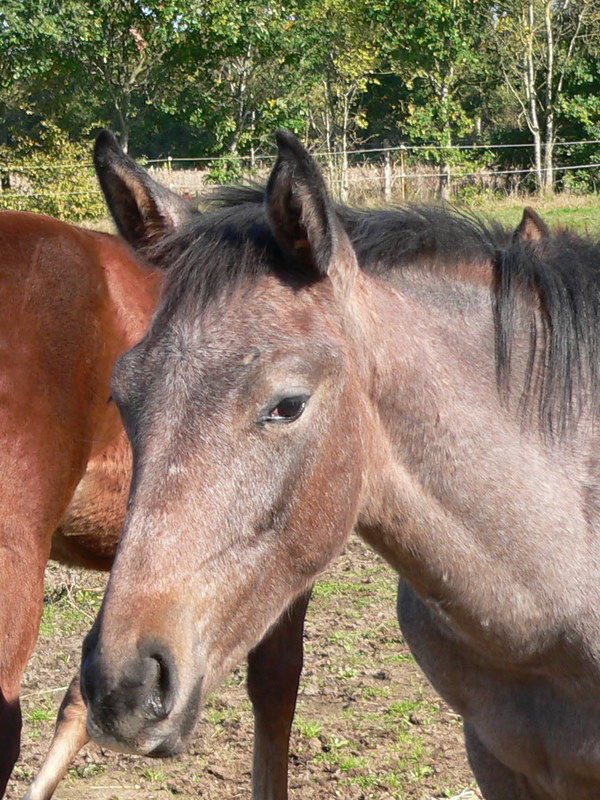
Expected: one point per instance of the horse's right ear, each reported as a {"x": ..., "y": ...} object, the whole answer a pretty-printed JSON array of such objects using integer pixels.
[{"x": 142, "y": 209}]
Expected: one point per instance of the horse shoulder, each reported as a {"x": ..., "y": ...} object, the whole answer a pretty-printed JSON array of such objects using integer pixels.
[{"x": 89, "y": 531}]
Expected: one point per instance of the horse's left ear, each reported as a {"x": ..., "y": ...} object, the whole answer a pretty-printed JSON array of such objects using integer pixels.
[
  {"x": 532, "y": 227},
  {"x": 142, "y": 209},
  {"x": 303, "y": 217}
]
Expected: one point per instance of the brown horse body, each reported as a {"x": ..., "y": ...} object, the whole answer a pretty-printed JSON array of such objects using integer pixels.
[
  {"x": 71, "y": 302},
  {"x": 414, "y": 375}
]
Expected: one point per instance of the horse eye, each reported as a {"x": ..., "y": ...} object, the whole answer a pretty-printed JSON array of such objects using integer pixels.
[{"x": 288, "y": 409}]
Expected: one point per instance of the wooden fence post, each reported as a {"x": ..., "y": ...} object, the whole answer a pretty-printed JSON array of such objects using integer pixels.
[
  {"x": 402, "y": 172},
  {"x": 387, "y": 172},
  {"x": 445, "y": 181}
]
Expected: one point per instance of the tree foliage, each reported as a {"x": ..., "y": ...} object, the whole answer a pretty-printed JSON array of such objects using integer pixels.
[{"x": 200, "y": 77}]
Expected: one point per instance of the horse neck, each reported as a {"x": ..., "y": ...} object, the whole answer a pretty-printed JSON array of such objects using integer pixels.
[
  {"x": 461, "y": 500},
  {"x": 131, "y": 295}
]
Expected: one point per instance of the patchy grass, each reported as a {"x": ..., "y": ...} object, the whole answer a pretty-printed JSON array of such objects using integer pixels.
[
  {"x": 579, "y": 212},
  {"x": 368, "y": 727}
]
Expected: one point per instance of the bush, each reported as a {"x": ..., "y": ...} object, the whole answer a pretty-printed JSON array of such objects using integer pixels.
[
  {"x": 225, "y": 170},
  {"x": 52, "y": 176}
]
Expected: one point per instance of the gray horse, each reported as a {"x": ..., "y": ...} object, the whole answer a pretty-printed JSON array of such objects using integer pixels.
[{"x": 416, "y": 375}]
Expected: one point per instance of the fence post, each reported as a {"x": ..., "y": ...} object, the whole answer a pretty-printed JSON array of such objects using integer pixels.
[
  {"x": 387, "y": 172},
  {"x": 445, "y": 181},
  {"x": 402, "y": 172}
]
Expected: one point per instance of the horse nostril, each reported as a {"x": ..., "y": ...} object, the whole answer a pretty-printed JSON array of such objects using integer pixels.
[
  {"x": 158, "y": 701},
  {"x": 127, "y": 697}
]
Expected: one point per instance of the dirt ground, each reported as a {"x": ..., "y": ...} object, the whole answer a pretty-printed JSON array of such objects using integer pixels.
[{"x": 367, "y": 724}]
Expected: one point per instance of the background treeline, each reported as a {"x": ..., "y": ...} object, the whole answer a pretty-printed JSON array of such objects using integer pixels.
[{"x": 196, "y": 78}]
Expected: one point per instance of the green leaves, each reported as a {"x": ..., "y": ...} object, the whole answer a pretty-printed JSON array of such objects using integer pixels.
[
  {"x": 216, "y": 77},
  {"x": 52, "y": 176}
]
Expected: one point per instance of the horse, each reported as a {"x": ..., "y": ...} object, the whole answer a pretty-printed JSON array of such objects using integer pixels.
[
  {"x": 72, "y": 301},
  {"x": 416, "y": 374}
]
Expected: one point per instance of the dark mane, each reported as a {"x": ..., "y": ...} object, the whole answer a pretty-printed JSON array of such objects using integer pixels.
[{"x": 558, "y": 278}]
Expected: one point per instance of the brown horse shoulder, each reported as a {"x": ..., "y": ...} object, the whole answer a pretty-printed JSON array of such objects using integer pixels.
[{"x": 89, "y": 532}]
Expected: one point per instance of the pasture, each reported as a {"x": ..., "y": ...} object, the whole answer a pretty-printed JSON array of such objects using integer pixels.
[
  {"x": 367, "y": 724},
  {"x": 581, "y": 213}
]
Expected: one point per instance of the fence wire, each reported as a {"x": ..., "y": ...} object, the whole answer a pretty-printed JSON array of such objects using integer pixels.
[{"x": 400, "y": 172}]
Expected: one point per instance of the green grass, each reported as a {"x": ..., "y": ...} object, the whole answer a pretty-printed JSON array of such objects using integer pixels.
[
  {"x": 222, "y": 716},
  {"x": 39, "y": 712},
  {"x": 69, "y": 611},
  {"x": 90, "y": 770},
  {"x": 581, "y": 213},
  {"x": 38, "y": 709},
  {"x": 307, "y": 729},
  {"x": 157, "y": 775}
]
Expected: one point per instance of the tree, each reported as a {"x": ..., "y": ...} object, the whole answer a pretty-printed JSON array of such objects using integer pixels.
[
  {"x": 80, "y": 60},
  {"x": 435, "y": 49},
  {"x": 238, "y": 50},
  {"x": 338, "y": 57},
  {"x": 537, "y": 43}
]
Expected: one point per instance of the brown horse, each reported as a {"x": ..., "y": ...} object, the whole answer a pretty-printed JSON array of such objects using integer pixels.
[
  {"x": 420, "y": 376},
  {"x": 72, "y": 301}
]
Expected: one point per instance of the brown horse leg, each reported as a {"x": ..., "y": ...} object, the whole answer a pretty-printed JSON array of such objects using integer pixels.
[
  {"x": 70, "y": 735},
  {"x": 496, "y": 781},
  {"x": 22, "y": 571},
  {"x": 274, "y": 668}
]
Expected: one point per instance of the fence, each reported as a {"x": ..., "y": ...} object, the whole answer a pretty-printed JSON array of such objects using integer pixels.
[
  {"x": 402, "y": 173},
  {"x": 386, "y": 174}
]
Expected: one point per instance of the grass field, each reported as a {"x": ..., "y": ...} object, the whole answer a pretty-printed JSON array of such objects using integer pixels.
[
  {"x": 581, "y": 213},
  {"x": 368, "y": 726}
]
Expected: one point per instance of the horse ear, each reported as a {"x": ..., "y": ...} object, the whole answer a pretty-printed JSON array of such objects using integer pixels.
[
  {"x": 302, "y": 215},
  {"x": 142, "y": 209},
  {"x": 532, "y": 227}
]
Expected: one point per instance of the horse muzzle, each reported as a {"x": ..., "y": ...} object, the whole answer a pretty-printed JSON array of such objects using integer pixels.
[{"x": 136, "y": 706}]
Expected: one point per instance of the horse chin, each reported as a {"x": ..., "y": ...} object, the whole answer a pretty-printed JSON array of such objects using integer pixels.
[
  {"x": 154, "y": 744},
  {"x": 172, "y": 746},
  {"x": 162, "y": 739}
]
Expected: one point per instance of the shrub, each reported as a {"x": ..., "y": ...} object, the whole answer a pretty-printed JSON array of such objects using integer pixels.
[{"x": 51, "y": 176}]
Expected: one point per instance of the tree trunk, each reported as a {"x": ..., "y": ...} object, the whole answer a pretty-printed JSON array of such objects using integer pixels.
[
  {"x": 531, "y": 98},
  {"x": 329, "y": 139},
  {"x": 387, "y": 172},
  {"x": 548, "y": 184},
  {"x": 344, "y": 151},
  {"x": 123, "y": 125},
  {"x": 444, "y": 181}
]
